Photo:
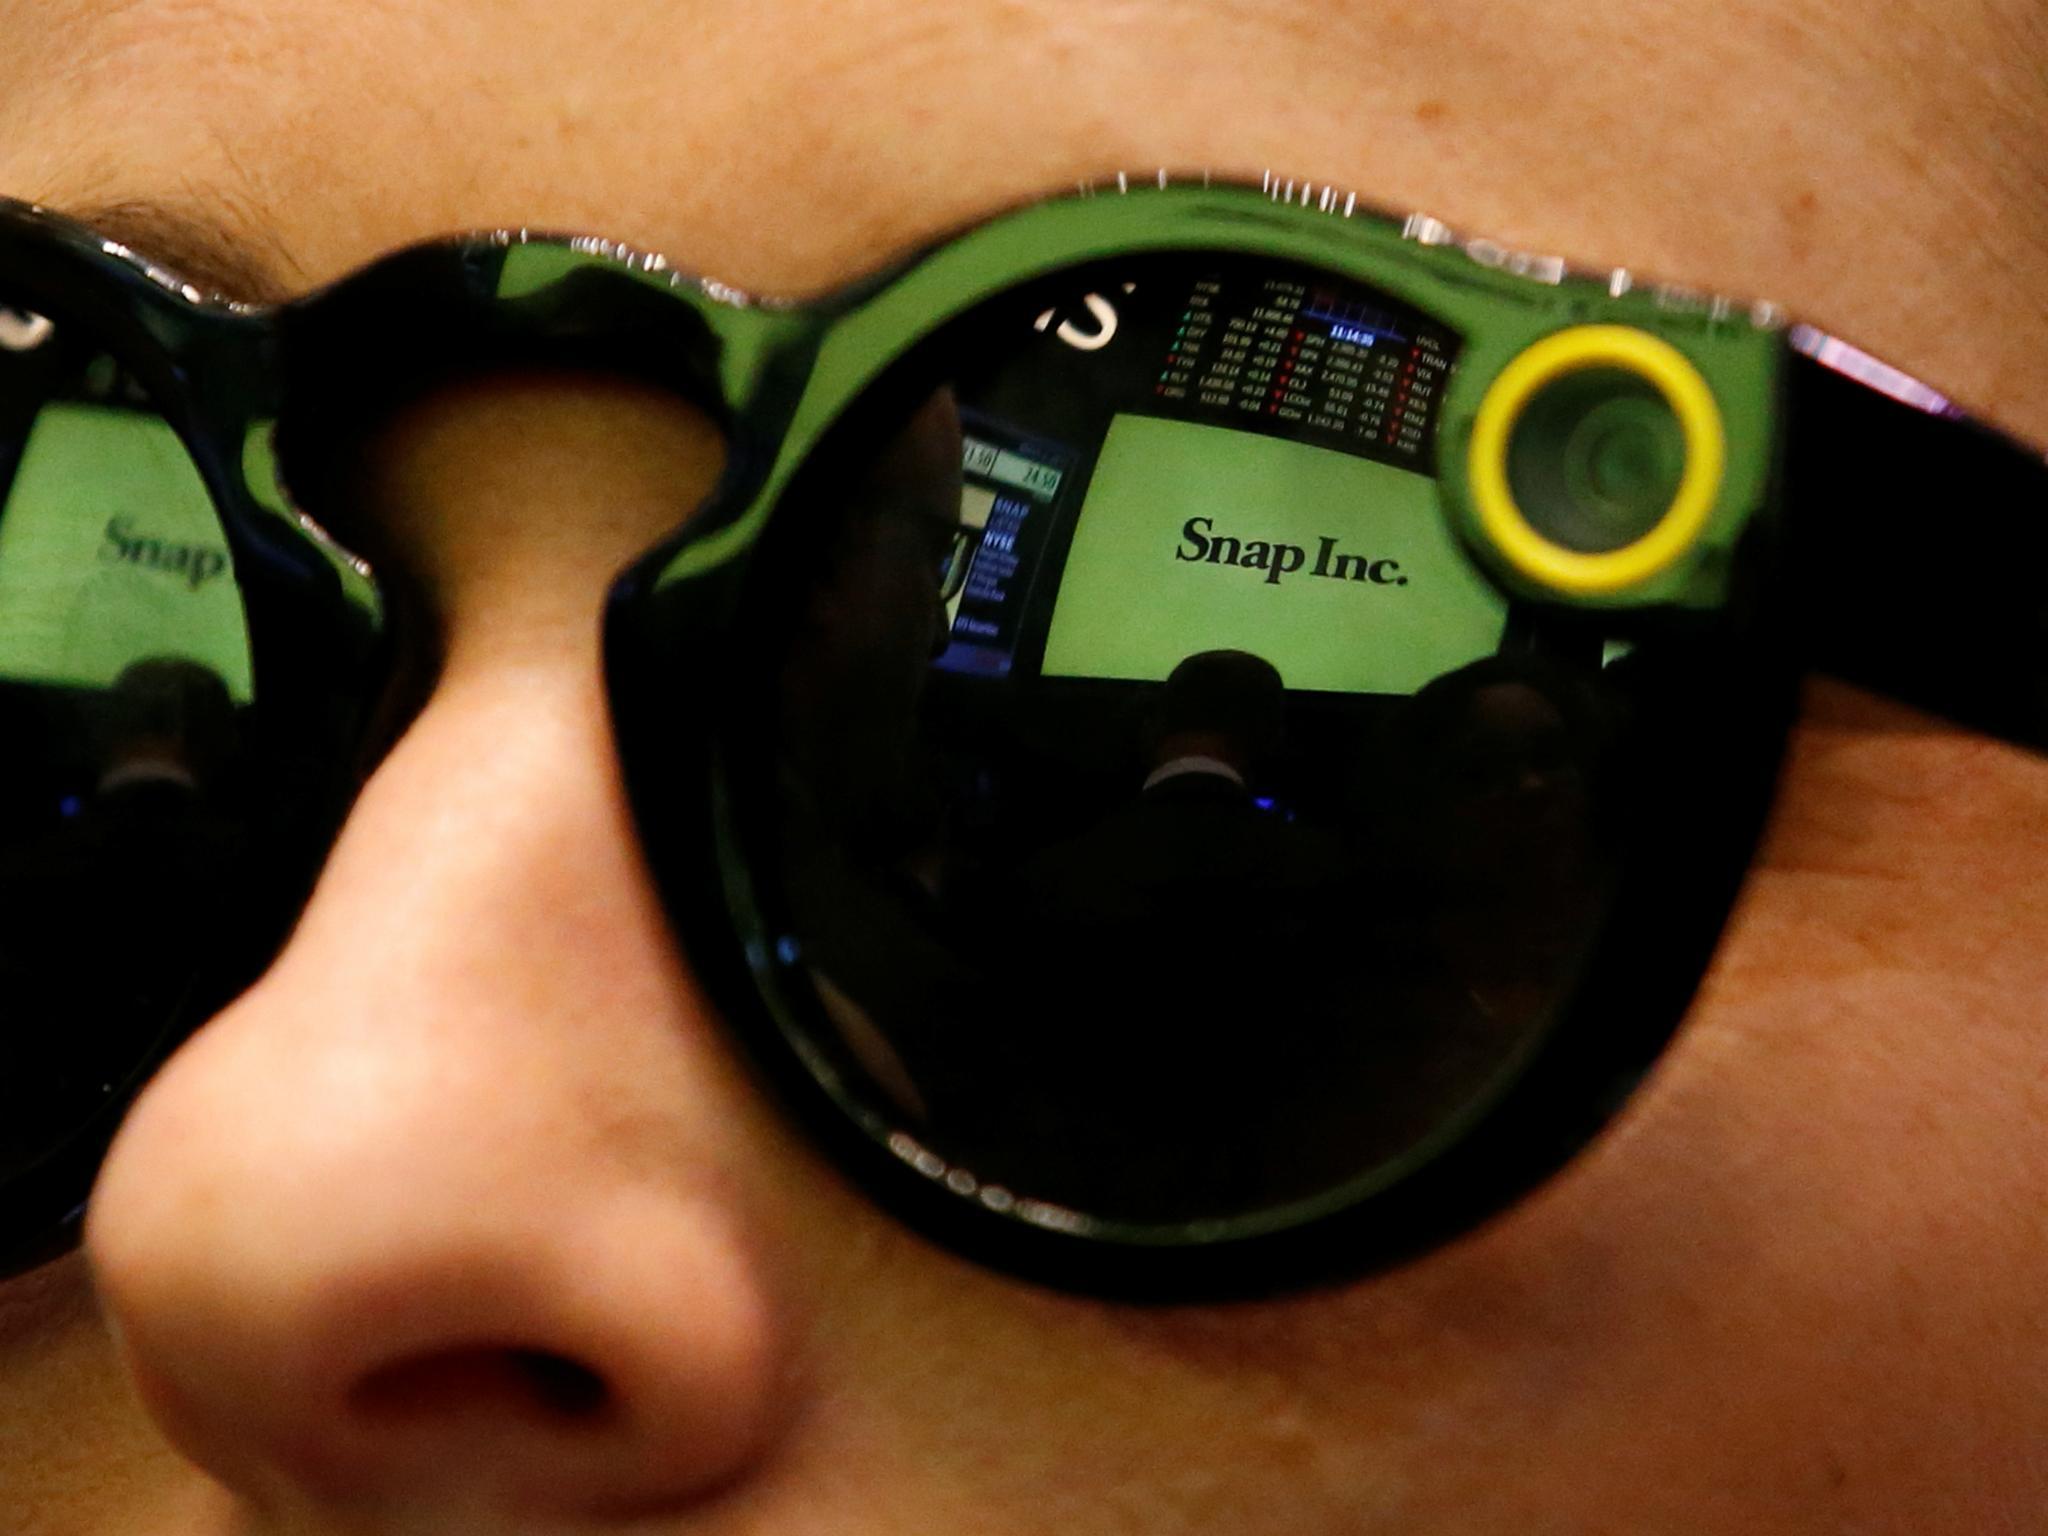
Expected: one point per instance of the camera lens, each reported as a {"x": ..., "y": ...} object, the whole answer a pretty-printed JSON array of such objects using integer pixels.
[{"x": 1595, "y": 460}]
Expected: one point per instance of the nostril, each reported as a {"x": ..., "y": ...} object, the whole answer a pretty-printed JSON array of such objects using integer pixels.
[
  {"x": 570, "y": 1389},
  {"x": 527, "y": 1384}
]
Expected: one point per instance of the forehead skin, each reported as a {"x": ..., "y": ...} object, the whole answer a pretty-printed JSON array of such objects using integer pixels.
[
  {"x": 1797, "y": 1287},
  {"x": 1675, "y": 138}
]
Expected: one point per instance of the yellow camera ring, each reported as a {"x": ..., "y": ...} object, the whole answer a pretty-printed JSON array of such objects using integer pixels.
[{"x": 1579, "y": 572}]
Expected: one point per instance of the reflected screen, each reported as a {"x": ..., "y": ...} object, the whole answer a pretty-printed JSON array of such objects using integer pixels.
[{"x": 1338, "y": 569}]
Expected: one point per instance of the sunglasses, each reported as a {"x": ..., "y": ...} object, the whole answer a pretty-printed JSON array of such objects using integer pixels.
[{"x": 1201, "y": 743}]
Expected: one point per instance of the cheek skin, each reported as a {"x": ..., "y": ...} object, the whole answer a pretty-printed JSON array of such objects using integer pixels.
[
  {"x": 76, "y": 1457},
  {"x": 1822, "y": 1212},
  {"x": 1793, "y": 1289}
]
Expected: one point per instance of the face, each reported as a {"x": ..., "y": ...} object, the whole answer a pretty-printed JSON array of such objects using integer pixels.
[{"x": 464, "y": 1217}]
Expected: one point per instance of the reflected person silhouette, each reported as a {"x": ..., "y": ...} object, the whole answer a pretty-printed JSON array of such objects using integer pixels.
[
  {"x": 1177, "y": 915},
  {"x": 860, "y": 829},
  {"x": 1501, "y": 869},
  {"x": 868, "y": 622},
  {"x": 112, "y": 861},
  {"x": 171, "y": 722}
]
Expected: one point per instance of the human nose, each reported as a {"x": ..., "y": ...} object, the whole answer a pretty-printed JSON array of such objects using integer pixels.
[{"x": 450, "y": 1210}]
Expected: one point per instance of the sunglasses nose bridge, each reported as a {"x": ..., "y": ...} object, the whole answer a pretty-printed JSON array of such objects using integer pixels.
[
  {"x": 365, "y": 359},
  {"x": 457, "y": 312}
]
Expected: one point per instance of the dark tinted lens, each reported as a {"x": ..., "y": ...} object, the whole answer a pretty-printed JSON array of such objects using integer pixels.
[
  {"x": 1226, "y": 842},
  {"x": 139, "y": 779}
]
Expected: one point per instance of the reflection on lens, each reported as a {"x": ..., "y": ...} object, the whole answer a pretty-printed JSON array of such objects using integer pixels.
[
  {"x": 1220, "y": 840},
  {"x": 184, "y": 685},
  {"x": 124, "y": 672}
]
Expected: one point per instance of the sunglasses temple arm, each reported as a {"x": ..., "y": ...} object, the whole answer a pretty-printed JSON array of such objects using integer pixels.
[{"x": 1919, "y": 545}]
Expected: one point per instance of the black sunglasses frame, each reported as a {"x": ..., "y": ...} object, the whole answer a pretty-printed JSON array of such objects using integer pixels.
[{"x": 779, "y": 378}]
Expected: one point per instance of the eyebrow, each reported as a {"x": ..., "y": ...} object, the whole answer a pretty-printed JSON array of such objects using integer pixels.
[{"x": 203, "y": 249}]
